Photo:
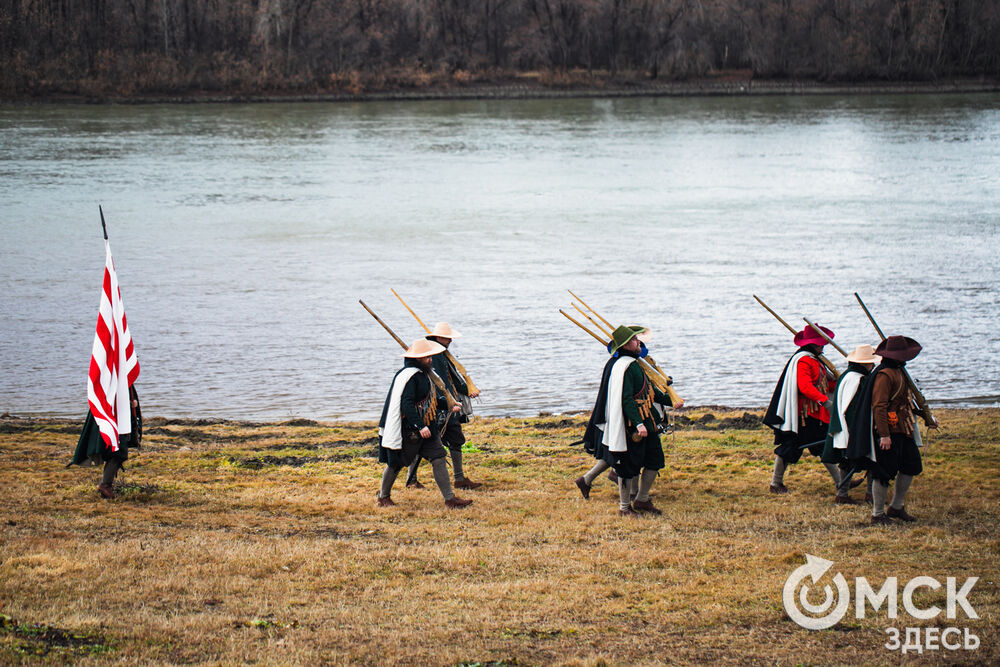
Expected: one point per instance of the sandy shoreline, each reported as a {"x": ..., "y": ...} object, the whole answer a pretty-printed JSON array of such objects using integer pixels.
[{"x": 526, "y": 91}]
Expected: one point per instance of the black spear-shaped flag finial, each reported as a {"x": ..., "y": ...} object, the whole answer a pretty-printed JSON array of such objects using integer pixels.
[{"x": 103, "y": 225}]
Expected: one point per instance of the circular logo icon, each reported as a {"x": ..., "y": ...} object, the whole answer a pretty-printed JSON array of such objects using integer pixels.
[{"x": 796, "y": 609}]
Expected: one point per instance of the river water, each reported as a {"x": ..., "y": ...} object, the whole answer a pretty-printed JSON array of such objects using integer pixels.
[{"x": 244, "y": 236}]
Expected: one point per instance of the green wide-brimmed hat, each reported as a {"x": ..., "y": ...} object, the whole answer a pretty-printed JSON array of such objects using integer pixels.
[{"x": 622, "y": 335}]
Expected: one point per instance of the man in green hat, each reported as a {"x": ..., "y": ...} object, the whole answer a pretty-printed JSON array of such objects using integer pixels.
[{"x": 622, "y": 428}]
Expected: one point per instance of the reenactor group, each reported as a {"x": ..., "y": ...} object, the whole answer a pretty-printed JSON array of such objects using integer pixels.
[{"x": 863, "y": 421}]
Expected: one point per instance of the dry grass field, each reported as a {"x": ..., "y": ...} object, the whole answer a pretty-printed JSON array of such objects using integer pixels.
[{"x": 233, "y": 543}]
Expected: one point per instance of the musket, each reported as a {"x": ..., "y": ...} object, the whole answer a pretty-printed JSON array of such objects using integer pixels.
[
  {"x": 473, "y": 389},
  {"x": 918, "y": 396},
  {"x": 655, "y": 375},
  {"x": 591, "y": 320},
  {"x": 826, "y": 362},
  {"x": 431, "y": 374},
  {"x": 825, "y": 337},
  {"x": 649, "y": 361},
  {"x": 610, "y": 326},
  {"x": 103, "y": 225}
]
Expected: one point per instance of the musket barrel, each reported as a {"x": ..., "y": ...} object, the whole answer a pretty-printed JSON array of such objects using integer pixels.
[
  {"x": 869, "y": 314},
  {"x": 826, "y": 362},
  {"x": 459, "y": 367},
  {"x": 776, "y": 316},
  {"x": 449, "y": 399},
  {"x": 825, "y": 337},
  {"x": 595, "y": 336},
  {"x": 918, "y": 396},
  {"x": 587, "y": 306},
  {"x": 410, "y": 309},
  {"x": 591, "y": 320},
  {"x": 384, "y": 325}
]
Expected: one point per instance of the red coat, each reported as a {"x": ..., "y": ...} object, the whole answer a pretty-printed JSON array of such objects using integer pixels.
[{"x": 815, "y": 384}]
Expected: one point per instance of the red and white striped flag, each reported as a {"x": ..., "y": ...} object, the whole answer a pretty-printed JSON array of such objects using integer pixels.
[{"x": 113, "y": 364}]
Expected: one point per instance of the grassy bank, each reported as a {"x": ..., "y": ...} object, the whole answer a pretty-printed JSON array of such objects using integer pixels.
[{"x": 235, "y": 542}]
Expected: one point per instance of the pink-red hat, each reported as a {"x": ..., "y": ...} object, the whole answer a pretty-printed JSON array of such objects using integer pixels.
[{"x": 809, "y": 337}]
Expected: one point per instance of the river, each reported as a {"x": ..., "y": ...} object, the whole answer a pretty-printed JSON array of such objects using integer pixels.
[{"x": 244, "y": 235}]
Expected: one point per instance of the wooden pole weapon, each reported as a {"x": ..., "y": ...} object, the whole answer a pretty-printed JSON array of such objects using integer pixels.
[
  {"x": 825, "y": 337},
  {"x": 596, "y": 324},
  {"x": 648, "y": 361},
  {"x": 431, "y": 374},
  {"x": 918, "y": 396},
  {"x": 473, "y": 389},
  {"x": 826, "y": 362},
  {"x": 654, "y": 372}
]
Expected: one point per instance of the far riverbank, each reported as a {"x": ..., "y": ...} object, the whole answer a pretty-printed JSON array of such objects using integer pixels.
[{"x": 527, "y": 88}]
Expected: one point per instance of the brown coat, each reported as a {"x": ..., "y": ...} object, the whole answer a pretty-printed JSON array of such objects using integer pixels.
[{"x": 891, "y": 409}]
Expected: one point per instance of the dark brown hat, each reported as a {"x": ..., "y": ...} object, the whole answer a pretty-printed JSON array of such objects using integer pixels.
[{"x": 899, "y": 348}]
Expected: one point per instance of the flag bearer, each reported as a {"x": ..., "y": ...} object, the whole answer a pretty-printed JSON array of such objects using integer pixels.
[
  {"x": 407, "y": 428},
  {"x": 453, "y": 436},
  {"x": 91, "y": 449}
]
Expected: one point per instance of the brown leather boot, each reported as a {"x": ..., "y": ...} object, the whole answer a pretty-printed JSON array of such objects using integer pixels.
[
  {"x": 846, "y": 500},
  {"x": 645, "y": 506},
  {"x": 386, "y": 502},
  {"x": 882, "y": 521},
  {"x": 457, "y": 502},
  {"x": 779, "y": 488},
  {"x": 467, "y": 483},
  {"x": 415, "y": 485},
  {"x": 581, "y": 484},
  {"x": 900, "y": 514},
  {"x": 629, "y": 513},
  {"x": 105, "y": 490}
]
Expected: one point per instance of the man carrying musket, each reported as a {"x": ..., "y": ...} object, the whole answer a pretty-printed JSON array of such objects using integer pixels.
[
  {"x": 884, "y": 435},
  {"x": 846, "y": 397},
  {"x": 799, "y": 412},
  {"x": 623, "y": 424},
  {"x": 408, "y": 427},
  {"x": 453, "y": 436}
]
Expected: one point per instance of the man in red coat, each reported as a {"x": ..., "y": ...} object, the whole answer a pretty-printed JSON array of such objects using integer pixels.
[{"x": 799, "y": 411}]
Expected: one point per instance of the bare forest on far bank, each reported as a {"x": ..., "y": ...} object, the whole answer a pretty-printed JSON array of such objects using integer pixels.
[{"x": 123, "y": 48}]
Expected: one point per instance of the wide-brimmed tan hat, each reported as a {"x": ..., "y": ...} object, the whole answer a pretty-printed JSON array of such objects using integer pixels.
[
  {"x": 644, "y": 334},
  {"x": 444, "y": 330},
  {"x": 422, "y": 347},
  {"x": 864, "y": 354}
]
